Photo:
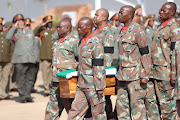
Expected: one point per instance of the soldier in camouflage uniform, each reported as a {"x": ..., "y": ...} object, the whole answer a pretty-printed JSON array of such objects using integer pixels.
[
  {"x": 45, "y": 31},
  {"x": 91, "y": 79},
  {"x": 103, "y": 32},
  {"x": 134, "y": 68},
  {"x": 163, "y": 60},
  {"x": 64, "y": 58},
  {"x": 5, "y": 66}
]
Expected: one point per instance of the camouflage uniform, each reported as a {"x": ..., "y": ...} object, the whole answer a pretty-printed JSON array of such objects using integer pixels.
[
  {"x": 91, "y": 78},
  {"x": 134, "y": 64},
  {"x": 63, "y": 59},
  {"x": 177, "y": 51},
  {"x": 107, "y": 38},
  {"x": 163, "y": 70}
]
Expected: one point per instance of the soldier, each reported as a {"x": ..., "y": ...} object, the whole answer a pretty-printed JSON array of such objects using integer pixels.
[
  {"x": 177, "y": 60},
  {"x": 5, "y": 67},
  {"x": 27, "y": 23},
  {"x": 134, "y": 68},
  {"x": 91, "y": 78},
  {"x": 149, "y": 28},
  {"x": 23, "y": 57},
  {"x": 104, "y": 33},
  {"x": 163, "y": 59},
  {"x": 45, "y": 31},
  {"x": 64, "y": 58}
]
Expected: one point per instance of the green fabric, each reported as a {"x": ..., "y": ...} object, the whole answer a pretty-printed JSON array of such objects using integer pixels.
[
  {"x": 64, "y": 73},
  {"x": 110, "y": 67}
]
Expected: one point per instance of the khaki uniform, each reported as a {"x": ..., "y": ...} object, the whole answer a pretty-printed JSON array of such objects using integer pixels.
[
  {"x": 91, "y": 77},
  {"x": 134, "y": 64},
  {"x": 64, "y": 58},
  {"x": 177, "y": 51},
  {"x": 45, "y": 54},
  {"x": 164, "y": 70},
  {"x": 4, "y": 65}
]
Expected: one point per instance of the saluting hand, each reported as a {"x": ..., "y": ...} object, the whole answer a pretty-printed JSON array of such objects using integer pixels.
[
  {"x": 173, "y": 82},
  {"x": 44, "y": 23}
]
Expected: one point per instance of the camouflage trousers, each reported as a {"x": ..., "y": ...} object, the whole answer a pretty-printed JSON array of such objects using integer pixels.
[
  {"x": 165, "y": 95},
  {"x": 178, "y": 89},
  {"x": 56, "y": 104},
  {"x": 151, "y": 102},
  {"x": 130, "y": 100},
  {"x": 83, "y": 99}
]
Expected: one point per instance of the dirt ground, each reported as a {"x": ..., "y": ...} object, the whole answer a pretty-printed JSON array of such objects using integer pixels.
[{"x": 13, "y": 110}]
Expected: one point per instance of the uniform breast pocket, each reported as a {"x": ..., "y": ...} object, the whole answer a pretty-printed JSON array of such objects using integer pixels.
[
  {"x": 86, "y": 59},
  {"x": 129, "y": 46},
  {"x": 165, "y": 34}
]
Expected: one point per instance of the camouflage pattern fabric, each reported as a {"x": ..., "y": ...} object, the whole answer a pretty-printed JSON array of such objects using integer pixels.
[
  {"x": 80, "y": 105},
  {"x": 177, "y": 51},
  {"x": 91, "y": 78},
  {"x": 164, "y": 69},
  {"x": 90, "y": 75},
  {"x": 130, "y": 95},
  {"x": 165, "y": 94},
  {"x": 64, "y": 55},
  {"x": 107, "y": 38},
  {"x": 135, "y": 63},
  {"x": 56, "y": 104},
  {"x": 163, "y": 58}
]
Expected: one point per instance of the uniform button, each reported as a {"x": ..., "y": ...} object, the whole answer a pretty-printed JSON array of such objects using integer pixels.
[
  {"x": 2, "y": 41},
  {"x": 1, "y": 37},
  {"x": 1, "y": 33},
  {"x": 2, "y": 45},
  {"x": 2, "y": 50}
]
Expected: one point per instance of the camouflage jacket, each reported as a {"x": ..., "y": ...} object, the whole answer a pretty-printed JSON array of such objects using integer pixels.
[
  {"x": 162, "y": 51},
  {"x": 64, "y": 55},
  {"x": 107, "y": 38},
  {"x": 91, "y": 65},
  {"x": 134, "y": 59},
  {"x": 177, "y": 52}
]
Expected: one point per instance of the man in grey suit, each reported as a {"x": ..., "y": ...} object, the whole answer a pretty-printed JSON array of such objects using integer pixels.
[{"x": 24, "y": 57}]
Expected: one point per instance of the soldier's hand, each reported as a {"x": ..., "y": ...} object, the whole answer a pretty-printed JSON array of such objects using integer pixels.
[
  {"x": 100, "y": 93},
  {"x": 146, "y": 23},
  {"x": 16, "y": 24},
  {"x": 44, "y": 23},
  {"x": 173, "y": 82},
  {"x": 143, "y": 81}
]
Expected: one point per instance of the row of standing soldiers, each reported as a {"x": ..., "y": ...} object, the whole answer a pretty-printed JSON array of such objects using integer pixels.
[{"x": 145, "y": 72}]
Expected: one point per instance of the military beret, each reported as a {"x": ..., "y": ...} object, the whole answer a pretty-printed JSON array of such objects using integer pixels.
[
  {"x": 114, "y": 17},
  {"x": 18, "y": 17},
  {"x": 150, "y": 16},
  {"x": 8, "y": 24},
  {"x": 47, "y": 18},
  {"x": 27, "y": 21},
  {"x": 1, "y": 20},
  {"x": 138, "y": 6}
]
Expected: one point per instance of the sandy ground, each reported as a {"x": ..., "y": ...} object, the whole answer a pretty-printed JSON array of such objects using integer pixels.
[{"x": 13, "y": 110}]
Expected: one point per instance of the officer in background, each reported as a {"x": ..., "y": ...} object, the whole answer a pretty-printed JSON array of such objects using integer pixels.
[
  {"x": 45, "y": 32},
  {"x": 12, "y": 83},
  {"x": 27, "y": 23},
  {"x": 23, "y": 57},
  {"x": 5, "y": 66},
  {"x": 149, "y": 28}
]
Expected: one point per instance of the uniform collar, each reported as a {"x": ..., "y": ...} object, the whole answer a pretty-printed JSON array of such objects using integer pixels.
[
  {"x": 97, "y": 30},
  {"x": 83, "y": 40},
  {"x": 167, "y": 23}
]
